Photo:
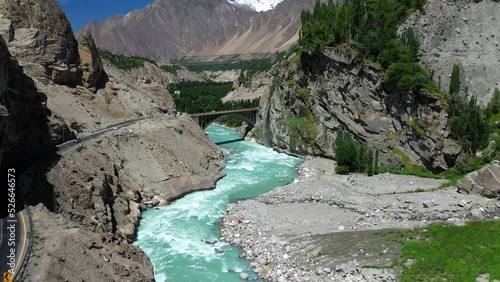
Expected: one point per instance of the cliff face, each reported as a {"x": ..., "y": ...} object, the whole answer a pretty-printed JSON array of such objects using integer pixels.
[
  {"x": 462, "y": 32},
  {"x": 23, "y": 116},
  {"x": 42, "y": 40},
  {"x": 323, "y": 92}
]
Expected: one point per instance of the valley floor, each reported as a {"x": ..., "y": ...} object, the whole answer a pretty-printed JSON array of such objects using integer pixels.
[{"x": 326, "y": 226}]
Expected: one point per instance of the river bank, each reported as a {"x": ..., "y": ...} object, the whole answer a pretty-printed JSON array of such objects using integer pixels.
[
  {"x": 327, "y": 226},
  {"x": 186, "y": 231}
]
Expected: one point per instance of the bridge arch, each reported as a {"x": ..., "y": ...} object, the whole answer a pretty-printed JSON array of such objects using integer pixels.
[{"x": 247, "y": 115}]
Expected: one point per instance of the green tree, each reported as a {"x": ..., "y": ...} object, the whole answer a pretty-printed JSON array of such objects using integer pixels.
[
  {"x": 395, "y": 52},
  {"x": 351, "y": 156},
  {"x": 407, "y": 76},
  {"x": 455, "y": 101},
  {"x": 470, "y": 128},
  {"x": 409, "y": 40},
  {"x": 494, "y": 104}
]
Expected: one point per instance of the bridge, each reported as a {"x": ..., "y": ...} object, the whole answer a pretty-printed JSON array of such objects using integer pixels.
[{"x": 247, "y": 115}]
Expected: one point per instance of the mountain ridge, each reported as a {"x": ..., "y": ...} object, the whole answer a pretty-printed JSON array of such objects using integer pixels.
[{"x": 173, "y": 29}]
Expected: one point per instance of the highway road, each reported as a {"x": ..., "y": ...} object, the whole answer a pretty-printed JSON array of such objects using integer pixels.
[
  {"x": 14, "y": 242},
  {"x": 14, "y": 230},
  {"x": 92, "y": 135}
]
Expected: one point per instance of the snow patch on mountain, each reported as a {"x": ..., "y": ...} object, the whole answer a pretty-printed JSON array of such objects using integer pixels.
[{"x": 257, "y": 5}]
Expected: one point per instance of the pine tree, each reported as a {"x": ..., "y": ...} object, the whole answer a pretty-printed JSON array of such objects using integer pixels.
[
  {"x": 455, "y": 80},
  {"x": 370, "y": 168},
  {"x": 455, "y": 100},
  {"x": 409, "y": 39}
]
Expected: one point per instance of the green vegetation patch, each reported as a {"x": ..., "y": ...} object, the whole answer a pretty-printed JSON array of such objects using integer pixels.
[
  {"x": 370, "y": 27},
  {"x": 199, "y": 97},
  {"x": 253, "y": 66},
  {"x": 302, "y": 129},
  {"x": 354, "y": 157},
  {"x": 202, "y": 97},
  {"x": 123, "y": 62},
  {"x": 441, "y": 253},
  {"x": 171, "y": 68},
  {"x": 453, "y": 253}
]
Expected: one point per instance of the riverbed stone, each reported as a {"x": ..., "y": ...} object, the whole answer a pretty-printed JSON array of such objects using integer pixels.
[{"x": 244, "y": 276}]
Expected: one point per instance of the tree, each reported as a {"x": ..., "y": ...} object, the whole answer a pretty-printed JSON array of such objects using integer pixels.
[
  {"x": 409, "y": 39},
  {"x": 375, "y": 165},
  {"x": 407, "y": 76},
  {"x": 369, "y": 165},
  {"x": 351, "y": 156},
  {"x": 470, "y": 128},
  {"x": 494, "y": 104},
  {"x": 395, "y": 51},
  {"x": 454, "y": 99}
]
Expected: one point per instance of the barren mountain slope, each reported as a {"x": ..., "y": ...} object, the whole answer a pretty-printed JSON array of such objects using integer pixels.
[
  {"x": 270, "y": 31},
  {"x": 463, "y": 32},
  {"x": 169, "y": 29}
]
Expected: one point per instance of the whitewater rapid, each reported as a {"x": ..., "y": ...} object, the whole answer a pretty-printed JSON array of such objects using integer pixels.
[{"x": 175, "y": 237}]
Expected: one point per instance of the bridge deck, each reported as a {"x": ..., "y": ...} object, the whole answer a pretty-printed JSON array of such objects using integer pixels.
[{"x": 225, "y": 112}]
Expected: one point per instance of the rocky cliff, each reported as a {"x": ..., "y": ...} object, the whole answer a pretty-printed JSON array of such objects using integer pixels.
[
  {"x": 462, "y": 32},
  {"x": 316, "y": 95},
  {"x": 41, "y": 39},
  {"x": 24, "y": 131}
]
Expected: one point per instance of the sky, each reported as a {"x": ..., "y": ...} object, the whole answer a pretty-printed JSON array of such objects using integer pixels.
[{"x": 80, "y": 12}]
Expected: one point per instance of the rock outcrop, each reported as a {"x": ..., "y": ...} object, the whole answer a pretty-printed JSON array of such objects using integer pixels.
[
  {"x": 484, "y": 182},
  {"x": 24, "y": 128},
  {"x": 463, "y": 32},
  {"x": 64, "y": 251},
  {"x": 42, "y": 39},
  {"x": 91, "y": 63},
  {"x": 103, "y": 185},
  {"x": 321, "y": 93}
]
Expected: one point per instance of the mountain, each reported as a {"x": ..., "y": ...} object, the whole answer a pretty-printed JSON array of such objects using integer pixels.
[
  {"x": 169, "y": 29},
  {"x": 257, "y": 5}
]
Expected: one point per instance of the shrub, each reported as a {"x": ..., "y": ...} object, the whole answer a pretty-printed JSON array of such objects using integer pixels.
[
  {"x": 393, "y": 52},
  {"x": 123, "y": 62},
  {"x": 407, "y": 76}
]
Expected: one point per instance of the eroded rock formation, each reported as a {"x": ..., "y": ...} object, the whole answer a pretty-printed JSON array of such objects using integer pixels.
[
  {"x": 23, "y": 123},
  {"x": 42, "y": 40},
  {"x": 93, "y": 73},
  {"x": 321, "y": 93}
]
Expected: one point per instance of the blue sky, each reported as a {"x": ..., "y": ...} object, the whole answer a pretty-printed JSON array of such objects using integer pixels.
[{"x": 81, "y": 12}]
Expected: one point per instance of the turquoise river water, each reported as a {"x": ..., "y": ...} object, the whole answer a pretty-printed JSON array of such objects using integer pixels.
[{"x": 172, "y": 236}]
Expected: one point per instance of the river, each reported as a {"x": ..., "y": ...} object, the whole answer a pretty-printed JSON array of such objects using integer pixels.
[{"x": 172, "y": 236}]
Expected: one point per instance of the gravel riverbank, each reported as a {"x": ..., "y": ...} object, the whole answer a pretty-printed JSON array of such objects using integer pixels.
[{"x": 326, "y": 227}]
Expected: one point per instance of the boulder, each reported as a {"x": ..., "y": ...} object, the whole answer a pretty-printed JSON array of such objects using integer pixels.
[
  {"x": 485, "y": 182},
  {"x": 6, "y": 29},
  {"x": 91, "y": 63}
]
